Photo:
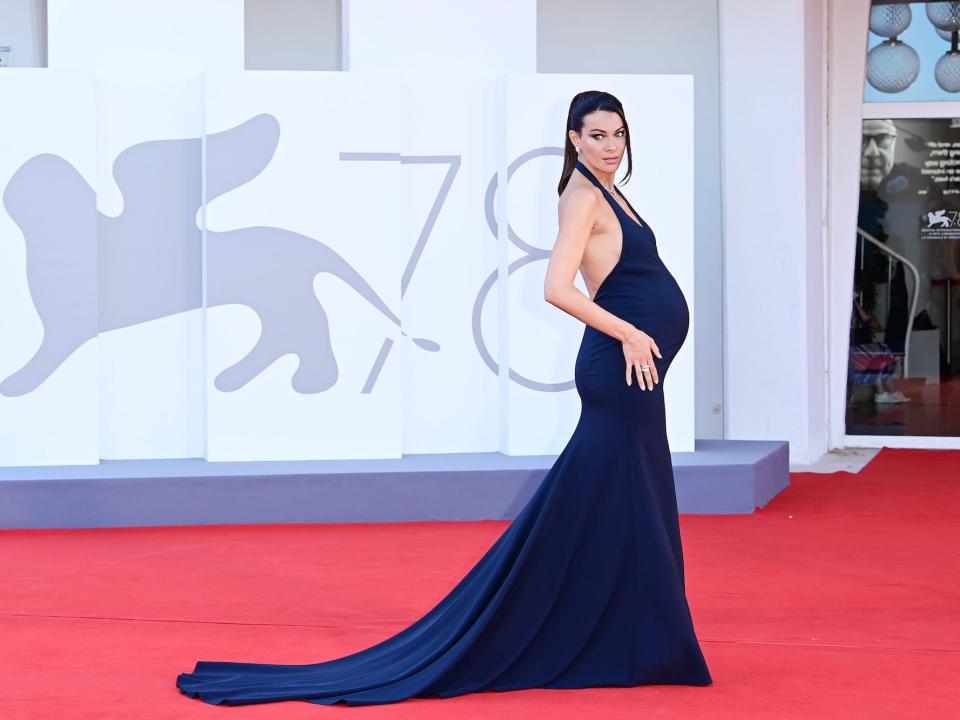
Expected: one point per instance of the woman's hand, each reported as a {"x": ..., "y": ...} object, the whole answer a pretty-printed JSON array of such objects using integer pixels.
[{"x": 638, "y": 350}]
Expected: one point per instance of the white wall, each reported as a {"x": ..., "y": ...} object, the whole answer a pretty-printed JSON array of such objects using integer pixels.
[
  {"x": 123, "y": 34},
  {"x": 848, "y": 52},
  {"x": 774, "y": 322},
  {"x": 815, "y": 156},
  {"x": 771, "y": 181},
  {"x": 495, "y": 36},
  {"x": 23, "y": 27},
  {"x": 292, "y": 34}
]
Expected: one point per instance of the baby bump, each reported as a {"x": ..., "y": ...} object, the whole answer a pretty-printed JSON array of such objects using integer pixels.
[{"x": 652, "y": 302}]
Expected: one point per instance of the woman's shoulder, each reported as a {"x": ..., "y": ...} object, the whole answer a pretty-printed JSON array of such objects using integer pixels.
[{"x": 577, "y": 198}]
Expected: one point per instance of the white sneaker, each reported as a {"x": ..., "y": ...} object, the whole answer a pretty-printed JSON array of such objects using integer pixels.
[
  {"x": 901, "y": 397},
  {"x": 886, "y": 398}
]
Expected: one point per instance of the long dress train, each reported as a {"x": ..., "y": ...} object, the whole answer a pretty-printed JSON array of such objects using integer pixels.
[{"x": 585, "y": 587}]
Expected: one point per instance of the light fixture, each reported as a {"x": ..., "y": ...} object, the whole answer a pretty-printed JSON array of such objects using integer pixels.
[
  {"x": 944, "y": 15},
  {"x": 892, "y": 66},
  {"x": 889, "y": 20},
  {"x": 947, "y": 72}
]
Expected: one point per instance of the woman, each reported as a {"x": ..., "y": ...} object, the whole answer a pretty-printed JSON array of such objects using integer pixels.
[{"x": 586, "y": 586}]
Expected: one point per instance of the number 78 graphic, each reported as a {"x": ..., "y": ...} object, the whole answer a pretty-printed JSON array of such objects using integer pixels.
[
  {"x": 453, "y": 163},
  {"x": 531, "y": 254}
]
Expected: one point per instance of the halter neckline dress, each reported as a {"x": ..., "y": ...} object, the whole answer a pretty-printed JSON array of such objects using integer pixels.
[{"x": 584, "y": 588}]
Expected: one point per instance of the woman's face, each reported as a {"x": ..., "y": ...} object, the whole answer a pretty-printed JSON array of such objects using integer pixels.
[{"x": 602, "y": 141}]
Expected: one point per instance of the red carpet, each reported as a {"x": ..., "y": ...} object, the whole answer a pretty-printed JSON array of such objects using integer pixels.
[{"x": 840, "y": 599}]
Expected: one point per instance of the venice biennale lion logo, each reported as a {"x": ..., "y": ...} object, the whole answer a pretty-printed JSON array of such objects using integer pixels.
[{"x": 145, "y": 263}]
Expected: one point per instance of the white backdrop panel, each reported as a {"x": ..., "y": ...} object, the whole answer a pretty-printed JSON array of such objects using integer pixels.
[
  {"x": 543, "y": 340},
  {"x": 332, "y": 211},
  {"x": 305, "y": 248},
  {"x": 48, "y": 400},
  {"x": 450, "y": 396},
  {"x": 151, "y": 371}
]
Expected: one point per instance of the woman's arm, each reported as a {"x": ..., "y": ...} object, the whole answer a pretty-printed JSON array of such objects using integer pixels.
[{"x": 577, "y": 215}]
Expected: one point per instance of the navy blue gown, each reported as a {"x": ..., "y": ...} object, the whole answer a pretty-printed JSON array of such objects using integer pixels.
[{"x": 584, "y": 588}]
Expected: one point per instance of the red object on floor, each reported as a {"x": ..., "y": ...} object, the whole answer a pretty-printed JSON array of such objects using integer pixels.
[{"x": 839, "y": 599}]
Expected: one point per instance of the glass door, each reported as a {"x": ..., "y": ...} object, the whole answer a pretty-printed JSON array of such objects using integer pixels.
[{"x": 903, "y": 373}]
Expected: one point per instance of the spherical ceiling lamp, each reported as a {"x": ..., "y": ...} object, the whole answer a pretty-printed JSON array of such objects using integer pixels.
[
  {"x": 947, "y": 72},
  {"x": 944, "y": 15},
  {"x": 889, "y": 20},
  {"x": 945, "y": 34},
  {"x": 892, "y": 66}
]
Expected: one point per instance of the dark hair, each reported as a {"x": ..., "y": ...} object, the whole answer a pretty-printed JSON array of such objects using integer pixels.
[{"x": 583, "y": 104}]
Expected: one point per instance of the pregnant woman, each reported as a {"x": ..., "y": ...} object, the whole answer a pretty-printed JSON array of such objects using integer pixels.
[{"x": 586, "y": 586}]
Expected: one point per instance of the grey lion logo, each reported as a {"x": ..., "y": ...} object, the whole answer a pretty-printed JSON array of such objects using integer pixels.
[
  {"x": 938, "y": 218},
  {"x": 90, "y": 273}
]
